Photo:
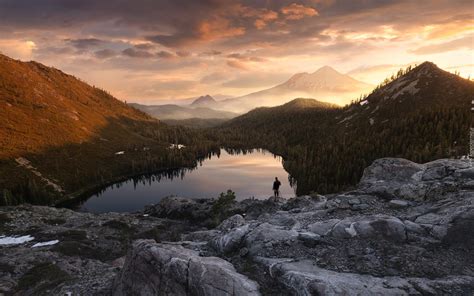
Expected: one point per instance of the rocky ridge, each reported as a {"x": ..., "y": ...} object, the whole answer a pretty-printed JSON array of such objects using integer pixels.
[{"x": 406, "y": 229}]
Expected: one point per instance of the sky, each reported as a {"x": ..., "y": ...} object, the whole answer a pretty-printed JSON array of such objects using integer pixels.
[{"x": 152, "y": 51}]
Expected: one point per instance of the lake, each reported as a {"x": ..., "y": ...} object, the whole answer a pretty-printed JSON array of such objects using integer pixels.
[{"x": 249, "y": 174}]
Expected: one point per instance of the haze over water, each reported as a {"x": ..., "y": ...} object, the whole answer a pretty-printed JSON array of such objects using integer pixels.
[{"x": 248, "y": 175}]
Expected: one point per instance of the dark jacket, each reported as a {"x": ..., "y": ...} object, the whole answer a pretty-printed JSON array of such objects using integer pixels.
[{"x": 276, "y": 185}]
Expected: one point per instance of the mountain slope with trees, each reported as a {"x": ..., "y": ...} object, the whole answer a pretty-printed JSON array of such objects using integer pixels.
[
  {"x": 420, "y": 114},
  {"x": 60, "y": 137}
]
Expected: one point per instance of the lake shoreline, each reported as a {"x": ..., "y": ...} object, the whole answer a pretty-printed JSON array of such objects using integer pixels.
[{"x": 248, "y": 172}]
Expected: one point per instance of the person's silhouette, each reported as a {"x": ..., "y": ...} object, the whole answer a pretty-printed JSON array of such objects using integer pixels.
[{"x": 276, "y": 187}]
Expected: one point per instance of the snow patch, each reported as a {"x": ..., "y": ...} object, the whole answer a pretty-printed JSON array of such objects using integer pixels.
[
  {"x": 48, "y": 243},
  {"x": 351, "y": 230},
  {"x": 15, "y": 240},
  {"x": 396, "y": 84},
  {"x": 177, "y": 146},
  {"x": 410, "y": 88},
  {"x": 362, "y": 103},
  {"x": 120, "y": 153}
]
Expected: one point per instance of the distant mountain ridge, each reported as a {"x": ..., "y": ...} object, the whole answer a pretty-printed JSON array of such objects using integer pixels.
[
  {"x": 325, "y": 84},
  {"x": 175, "y": 112}
]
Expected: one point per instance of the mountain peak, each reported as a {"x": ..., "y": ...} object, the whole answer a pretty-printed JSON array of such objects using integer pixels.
[
  {"x": 325, "y": 79},
  {"x": 326, "y": 70},
  {"x": 427, "y": 67},
  {"x": 204, "y": 100}
]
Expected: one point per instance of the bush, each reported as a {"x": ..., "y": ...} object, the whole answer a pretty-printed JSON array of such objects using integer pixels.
[{"x": 219, "y": 208}]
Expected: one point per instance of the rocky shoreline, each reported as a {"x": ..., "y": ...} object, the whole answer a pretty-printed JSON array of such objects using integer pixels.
[{"x": 407, "y": 229}]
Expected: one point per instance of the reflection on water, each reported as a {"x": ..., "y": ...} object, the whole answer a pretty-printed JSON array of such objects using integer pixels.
[{"x": 248, "y": 173}]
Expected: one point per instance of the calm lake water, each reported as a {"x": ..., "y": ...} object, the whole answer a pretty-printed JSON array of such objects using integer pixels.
[{"x": 248, "y": 175}]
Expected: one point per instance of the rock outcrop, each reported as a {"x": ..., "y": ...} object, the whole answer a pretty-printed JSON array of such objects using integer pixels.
[
  {"x": 164, "y": 269},
  {"x": 407, "y": 229}
]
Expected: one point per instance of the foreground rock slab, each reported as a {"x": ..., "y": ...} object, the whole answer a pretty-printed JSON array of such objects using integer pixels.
[
  {"x": 163, "y": 269},
  {"x": 303, "y": 277}
]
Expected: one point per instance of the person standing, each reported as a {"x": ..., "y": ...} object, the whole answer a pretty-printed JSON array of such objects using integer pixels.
[{"x": 276, "y": 187}]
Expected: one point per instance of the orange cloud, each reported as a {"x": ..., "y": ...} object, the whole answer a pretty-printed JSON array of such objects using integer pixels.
[
  {"x": 218, "y": 28},
  {"x": 262, "y": 16},
  {"x": 449, "y": 30},
  {"x": 237, "y": 65},
  {"x": 297, "y": 11}
]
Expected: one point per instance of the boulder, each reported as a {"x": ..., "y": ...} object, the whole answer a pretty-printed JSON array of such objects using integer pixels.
[
  {"x": 230, "y": 241},
  {"x": 231, "y": 222},
  {"x": 309, "y": 239},
  {"x": 323, "y": 227},
  {"x": 160, "y": 269},
  {"x": 398, "y": 203},
  {"x": 387, "y": 227},
  {"x": 267, "y": 234},
  {"x": 467, "y": 173},
  {"x": 414, "y": 227},
  {"x": 391, "y": 170},
  {"x": 282, "y": 218},
  {"x": 443, "y": 168},
  {"x": 461, "y": 231}
]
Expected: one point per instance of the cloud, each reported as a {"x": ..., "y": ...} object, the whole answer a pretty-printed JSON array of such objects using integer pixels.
[
  {"x": 206, "y": 30},
  {"x": 231, "y": 37},
  {"x": 238, "y": 65},
  {"x": 165, "y": 55},
  {"x": 105, "y": 53},
  {"x": 211, "y": 53},
  {"x": 134, "y": 53},
  {"x": 214, "y": 77},
  {"x": 457, "y": 44},
  {"x": 183, "y": 54},
  {"x": 262, "y": 16},
  {"x": 22, "y": 49},
  {"x": 85, "y": 43},
  {"x": 144, "y": 46},
  {"x": 243, "y": 57},
  {"x": 297, "y": 11}
]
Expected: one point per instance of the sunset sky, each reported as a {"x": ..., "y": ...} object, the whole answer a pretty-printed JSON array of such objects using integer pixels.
[{"x": 149, "y": 51}]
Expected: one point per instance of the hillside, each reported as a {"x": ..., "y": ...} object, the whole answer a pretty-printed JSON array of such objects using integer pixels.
[
  {"x": 43, "y": 107},
  {"x": 422, "y": 114},
  {"x": 325, "y": 84},
  {"x": 175, "y": 112},
  {"x": 60, "y": 137}
]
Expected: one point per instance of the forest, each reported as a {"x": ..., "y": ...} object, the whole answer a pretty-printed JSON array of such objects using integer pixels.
[{"x": 327, "y": 148}]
